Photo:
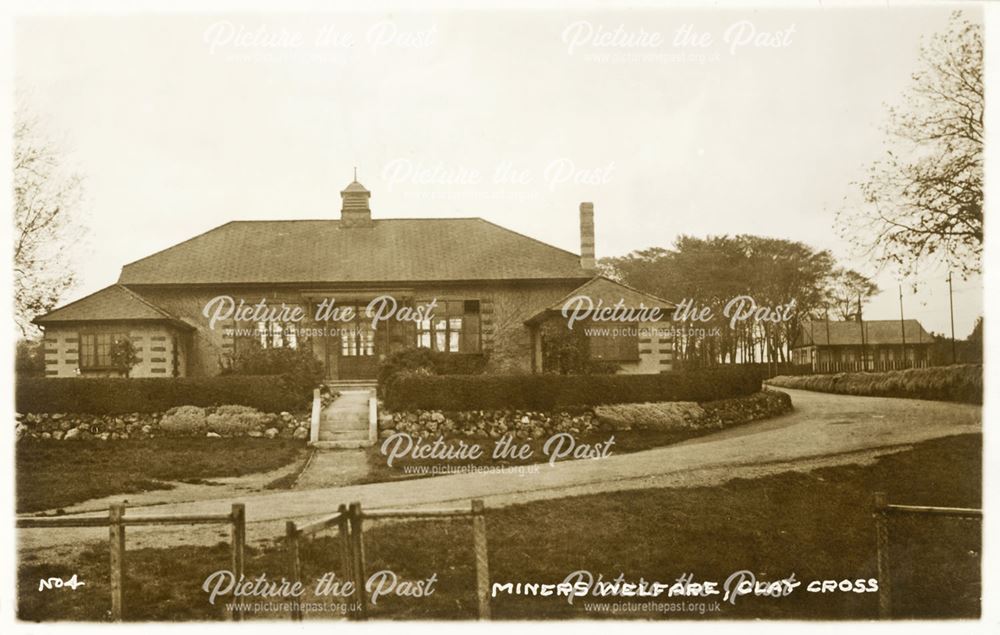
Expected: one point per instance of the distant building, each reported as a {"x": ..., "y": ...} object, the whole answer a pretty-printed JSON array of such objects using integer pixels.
[{"x": 830, "y": 346}]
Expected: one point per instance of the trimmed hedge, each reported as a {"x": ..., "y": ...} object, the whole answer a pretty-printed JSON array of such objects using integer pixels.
[
  {"x": 114, "y": 395},
  {"x": 962, "y": 383},
  {"x": 424, "y": 360},
  {"x": 551, "y": 392}
]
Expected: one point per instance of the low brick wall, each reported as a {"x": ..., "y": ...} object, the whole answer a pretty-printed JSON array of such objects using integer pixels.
[
  {"x": 524, "y": 425},
  {"x": 215, "y": 422}
]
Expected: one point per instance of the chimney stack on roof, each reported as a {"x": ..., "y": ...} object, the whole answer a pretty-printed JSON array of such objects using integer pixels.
[{"x": 587, "y": 260}]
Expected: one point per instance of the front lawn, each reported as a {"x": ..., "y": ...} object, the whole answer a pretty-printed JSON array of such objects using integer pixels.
[
  {"x": 56, "y": 474},
  {"x": 817, "y": 525},
  {"x": 624, "y": 442}
]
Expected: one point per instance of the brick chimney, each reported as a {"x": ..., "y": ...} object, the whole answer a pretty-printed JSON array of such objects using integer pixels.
[
  {"x": 587, "y": 260},
  {"x": 354, "y": 209}
]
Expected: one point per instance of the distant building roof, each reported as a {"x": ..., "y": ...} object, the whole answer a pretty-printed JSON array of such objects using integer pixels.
[
  {"x": 389, "y": 250},
  {"x": 110, "y": 304},
  {"x": 822, "y": 333}
]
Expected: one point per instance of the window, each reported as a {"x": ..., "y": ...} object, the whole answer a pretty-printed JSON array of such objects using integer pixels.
[
  {"x": 95, "y": 349},
  {"x": 618, "y": 342},
  {"x": 277, "y": 335},
  {"x": 357, "y": 339},
  {"x": 453, "y": 327}
]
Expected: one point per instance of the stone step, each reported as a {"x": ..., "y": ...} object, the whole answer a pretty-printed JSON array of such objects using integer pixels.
[
  {"x": 341, "y": 445},
  {"x": 343, "y": 436},
  {"x": 360, "y": 426},
  {"x": 348, "y": 405},
  {"x": 345, "y": 415},
  {"x": 344, "y": 422},
  {"x": 342, "y": 386}
]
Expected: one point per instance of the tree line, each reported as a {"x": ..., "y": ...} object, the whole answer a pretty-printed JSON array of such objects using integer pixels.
[{"x": 714, "y": 270}]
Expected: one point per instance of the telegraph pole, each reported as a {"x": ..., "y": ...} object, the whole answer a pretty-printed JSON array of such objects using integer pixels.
[
  {"x": 951, "y": 309},
  {"x": 861, "y": 325},
  {"x": 902, "y": 323}
]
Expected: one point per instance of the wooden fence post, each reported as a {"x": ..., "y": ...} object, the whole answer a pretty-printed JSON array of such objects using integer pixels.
[
  {"x": 358, "y": 564},
  {"x": 238, "y": 538},
  {"x": 292, "y": 545},
  {"x": 346, "y": 556},
  {"x": 882, "y": 556},
  {"x": 482, "y": 558},
  {"x": 116, "y": 542}
]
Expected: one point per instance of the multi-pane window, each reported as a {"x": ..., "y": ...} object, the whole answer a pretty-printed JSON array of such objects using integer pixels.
[
  {"x": 453, "y": 327},
  {"x": 357, "y": 339},
  {"x": 276, "y": 334},
  {"x": 95, "y": 349}
]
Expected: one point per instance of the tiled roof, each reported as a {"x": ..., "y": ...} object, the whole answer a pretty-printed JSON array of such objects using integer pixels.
[
  {"x": 390, "y": 250},
  {"x": 110, "y": 304},
  {"x": 849, "y": 333},
  {"x": 610, "y": 292}
]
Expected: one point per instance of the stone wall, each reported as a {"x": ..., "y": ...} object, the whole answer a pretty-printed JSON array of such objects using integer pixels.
[
  {"x": 492, "y": 424},
  {"x": 524, "y": 425},
  {"x": 223, "y": 421}
]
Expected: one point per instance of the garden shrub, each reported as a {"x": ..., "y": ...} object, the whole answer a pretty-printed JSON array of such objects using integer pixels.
[
  {"x": 417, "y": 361},
  {"x": 549, "y": 392},
  {"x": 235, "y": 420},
  {"x": 116, "y": 395},
  {"x": 29, "y": 359},
  {"x": 184, "y": 421},
  {"x": 567, "y": 352},
  {"x": 298, "y": 367},
  {"x": 660, "y": 415}
]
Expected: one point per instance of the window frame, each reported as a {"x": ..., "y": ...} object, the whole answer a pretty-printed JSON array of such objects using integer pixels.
[
  {"x": 267, "y": 331},
  {"x": 460, "y": 322},
  {"x": 94, "y": 351}
]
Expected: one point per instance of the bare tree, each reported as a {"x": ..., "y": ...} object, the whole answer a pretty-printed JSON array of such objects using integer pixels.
[
  {"x": 46, "y": 197},
  {"x": 924, "y": 199},
  {"x": 848, "y": 290}
]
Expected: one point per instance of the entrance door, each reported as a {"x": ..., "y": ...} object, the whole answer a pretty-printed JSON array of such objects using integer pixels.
[{"x": 357, "y": 357}]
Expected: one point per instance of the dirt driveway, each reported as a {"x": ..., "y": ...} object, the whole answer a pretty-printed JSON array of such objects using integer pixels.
[{"x": 823, "y": 430}]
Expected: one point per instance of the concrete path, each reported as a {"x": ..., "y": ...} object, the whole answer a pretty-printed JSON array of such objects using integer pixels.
[
  {"x": 823, "y": 430},
  {"x": 333, "y": 468},
  {"x": 343, "y": 431},
  {"x": 345, "y": 419}
]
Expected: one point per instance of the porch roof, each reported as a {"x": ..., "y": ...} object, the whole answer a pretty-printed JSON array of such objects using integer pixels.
[{"x": 111, "y": 304}]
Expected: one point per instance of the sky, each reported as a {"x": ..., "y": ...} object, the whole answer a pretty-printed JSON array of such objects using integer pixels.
[{"x": 687, "y": 121}]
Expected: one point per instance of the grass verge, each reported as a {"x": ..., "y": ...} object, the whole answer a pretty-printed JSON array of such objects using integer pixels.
[
  {"x": 817, "y": 525},
  {"x": 56, "y": 474}
]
